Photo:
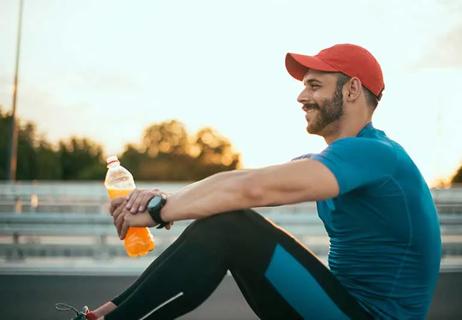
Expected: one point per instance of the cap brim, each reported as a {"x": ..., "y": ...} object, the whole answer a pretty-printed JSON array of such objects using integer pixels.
[{"x": 298, "y": 65}]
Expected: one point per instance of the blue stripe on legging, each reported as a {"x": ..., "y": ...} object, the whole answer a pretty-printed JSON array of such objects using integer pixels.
[{"x": 299, "y": 288}]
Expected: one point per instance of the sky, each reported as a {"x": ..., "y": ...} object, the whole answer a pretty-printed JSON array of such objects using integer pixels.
[{"x": 108, "y": 69}]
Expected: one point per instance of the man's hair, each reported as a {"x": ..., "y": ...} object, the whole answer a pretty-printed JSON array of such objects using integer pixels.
[{"x": 371, "y": 99}]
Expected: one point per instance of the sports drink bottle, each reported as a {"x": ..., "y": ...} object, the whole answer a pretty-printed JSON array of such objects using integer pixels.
[{"x": 119, "y": 183}]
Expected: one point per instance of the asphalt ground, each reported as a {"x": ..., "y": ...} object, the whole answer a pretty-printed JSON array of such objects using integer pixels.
[{"x": 34, "y": 296}]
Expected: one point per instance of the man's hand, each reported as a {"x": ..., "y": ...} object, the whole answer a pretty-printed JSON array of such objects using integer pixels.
[
  {"x": 125, "y": 218},
  {"x": 142, "y": 219},
  {"x": 138, "y": 199}
]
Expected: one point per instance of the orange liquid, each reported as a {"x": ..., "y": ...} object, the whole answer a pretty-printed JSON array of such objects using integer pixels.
[
  {"x": 117, "y": 193},
  {"x": 138, "y": 240}
]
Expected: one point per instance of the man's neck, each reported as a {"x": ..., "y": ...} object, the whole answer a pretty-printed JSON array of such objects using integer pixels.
[{"x": 343, "y": 130}]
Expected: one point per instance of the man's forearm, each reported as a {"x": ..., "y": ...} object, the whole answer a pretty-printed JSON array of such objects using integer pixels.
[
  {"x": 221, "y": 192},
  {"x": 292, "y": 182}
]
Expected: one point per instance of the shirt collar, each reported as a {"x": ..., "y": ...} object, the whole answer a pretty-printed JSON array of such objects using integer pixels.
[{"x": 365, "y": 130}]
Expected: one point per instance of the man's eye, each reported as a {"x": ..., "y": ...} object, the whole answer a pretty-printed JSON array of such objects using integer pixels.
[{"x": 315, "y": 86}]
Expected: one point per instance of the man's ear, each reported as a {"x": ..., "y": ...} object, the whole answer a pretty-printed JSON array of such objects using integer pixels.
[{"x": 353, "y": 89}]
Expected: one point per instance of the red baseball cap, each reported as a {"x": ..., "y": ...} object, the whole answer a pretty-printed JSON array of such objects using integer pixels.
[{"x": 350, "y": 59}]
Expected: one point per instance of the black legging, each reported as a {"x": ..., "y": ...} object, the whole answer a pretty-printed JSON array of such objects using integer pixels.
[{"x": 270, "y": 267}]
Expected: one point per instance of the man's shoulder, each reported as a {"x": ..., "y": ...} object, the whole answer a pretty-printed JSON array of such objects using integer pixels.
[{"x": 364, "y": 145}]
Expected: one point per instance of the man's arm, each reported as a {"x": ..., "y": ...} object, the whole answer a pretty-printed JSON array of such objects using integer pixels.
[{"x": 292, "y": 182}]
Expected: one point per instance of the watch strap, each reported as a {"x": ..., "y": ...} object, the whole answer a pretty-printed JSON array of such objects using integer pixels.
[{"x": 155, "y": 214}]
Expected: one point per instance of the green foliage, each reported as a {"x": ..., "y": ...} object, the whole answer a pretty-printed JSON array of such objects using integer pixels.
[
  {"x": 81, "y": 159},
  {"x": 4, "y": 129},
  {"x": 49, "y": 162},
  {"x": 457, "y": 177},
  {"x": 32, "y": 151},
  {"x": 166, "y": 152},
  {"x": 37, "y": 159},
  {"x": 167, "y": 137}
]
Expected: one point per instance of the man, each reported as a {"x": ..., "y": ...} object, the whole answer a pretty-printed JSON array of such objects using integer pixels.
[{"x": 384, "y": 234}]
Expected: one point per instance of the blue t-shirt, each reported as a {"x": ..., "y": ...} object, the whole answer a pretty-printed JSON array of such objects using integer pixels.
[{"x": 385, "y": 243}]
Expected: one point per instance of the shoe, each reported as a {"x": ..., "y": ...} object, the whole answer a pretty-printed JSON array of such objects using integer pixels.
[{"x": 85, "y": 314}]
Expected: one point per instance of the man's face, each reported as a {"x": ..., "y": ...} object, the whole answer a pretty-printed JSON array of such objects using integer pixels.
[{"x": 322, "y": 101}]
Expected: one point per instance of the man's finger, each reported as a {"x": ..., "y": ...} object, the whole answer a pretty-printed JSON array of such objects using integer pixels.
[
  {"x": 124, "y": 228},
  {"x": 131, "y": 198},
  {"x": 119, "y": 221},
  {"x": 118, "y": 217},
  {"x": 136, "y": 202},
  {"x": 115, "y": 203},
  {"x": 139, "y": 220},
  {"x": 118, "y": 210},
  {"x": 144, "y": 200}
]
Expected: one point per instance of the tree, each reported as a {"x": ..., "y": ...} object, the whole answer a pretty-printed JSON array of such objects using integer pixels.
[
  {"x": 4, "y": 134},
  {"x": 81, "y": 159},
  {"x": 26, "y": 168},
  {"x": 36, "y": 159},
  {"x": 48, "y": 162},
  {"x": 168, "y": 153},
  {"x": 457, "y": 177},
  {"x": 169, "y": 137},
  {"x": 75, "y": 158},
  {"x": 213, "y": 148},
  {"x": 214, "y": 153}
]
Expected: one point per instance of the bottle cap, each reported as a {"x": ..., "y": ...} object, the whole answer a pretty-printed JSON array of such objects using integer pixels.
[{"x": 112, "y": 159}]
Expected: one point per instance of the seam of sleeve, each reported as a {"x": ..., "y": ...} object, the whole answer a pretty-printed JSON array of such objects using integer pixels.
[
  {"x": 336, "y": 174},
  {"x": 339, "y": 176},
  {"x": 396, "y": 160}
]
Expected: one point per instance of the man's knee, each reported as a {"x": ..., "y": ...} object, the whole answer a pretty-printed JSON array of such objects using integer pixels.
[
  {"x": 219, "y": 220},
  {"x": 224, "y": 225}
]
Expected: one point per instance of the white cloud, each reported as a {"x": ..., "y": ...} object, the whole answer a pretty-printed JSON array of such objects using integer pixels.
[
  {"x": 445, "y": 52},
  {"x": 109, "y": 73}
]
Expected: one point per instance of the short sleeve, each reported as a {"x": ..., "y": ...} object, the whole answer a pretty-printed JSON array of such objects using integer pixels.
[{"x": 356, "y": 162}]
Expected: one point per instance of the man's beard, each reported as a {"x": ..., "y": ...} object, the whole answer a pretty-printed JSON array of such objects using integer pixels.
[{"x": 330, "y": 111}]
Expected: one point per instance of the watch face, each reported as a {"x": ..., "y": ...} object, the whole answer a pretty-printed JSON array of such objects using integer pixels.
[{"x": 154, "y": 203}]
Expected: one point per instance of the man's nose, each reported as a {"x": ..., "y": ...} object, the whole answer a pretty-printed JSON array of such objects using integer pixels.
[{"x": 303, "y": 97}]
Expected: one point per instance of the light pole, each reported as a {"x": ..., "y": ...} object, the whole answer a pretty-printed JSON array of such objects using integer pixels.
[{"x": 13, "y": 128}]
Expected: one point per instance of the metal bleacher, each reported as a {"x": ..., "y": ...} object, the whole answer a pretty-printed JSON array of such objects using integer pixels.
[{"x": 71, "y": 220}]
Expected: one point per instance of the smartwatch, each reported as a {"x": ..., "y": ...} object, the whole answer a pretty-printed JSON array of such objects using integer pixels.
[{"x": 154, "y": 206}]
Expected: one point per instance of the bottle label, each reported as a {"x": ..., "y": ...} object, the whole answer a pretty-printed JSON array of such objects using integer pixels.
[
  {"x": 120, "y": 182},
  {"x": 120, "y": 179}
]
